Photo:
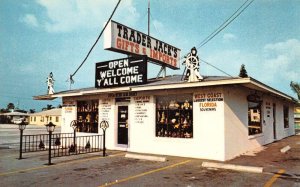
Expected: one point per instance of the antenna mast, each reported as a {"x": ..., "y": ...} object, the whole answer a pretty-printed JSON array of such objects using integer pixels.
[
  {"x": 162, "y": 70},
  {"x": 148, "y": 17}
]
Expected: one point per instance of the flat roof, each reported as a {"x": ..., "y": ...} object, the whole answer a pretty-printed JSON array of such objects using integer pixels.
[
  {"x": 51, "y": 112},
  {"x": 173, "y": 82}
]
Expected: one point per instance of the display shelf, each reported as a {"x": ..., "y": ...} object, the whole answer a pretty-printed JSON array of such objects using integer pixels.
[
  {"x": 87, "y": 116},
  {"x": 174, "y": 120}
]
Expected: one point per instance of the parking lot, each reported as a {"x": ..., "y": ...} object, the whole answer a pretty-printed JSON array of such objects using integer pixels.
[{"x": 280, "y": 169}]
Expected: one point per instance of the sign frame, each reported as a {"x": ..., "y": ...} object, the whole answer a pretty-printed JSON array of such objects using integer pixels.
[
  {"x": 123, "y": 39},
  {"x": 121, "y": 72}
]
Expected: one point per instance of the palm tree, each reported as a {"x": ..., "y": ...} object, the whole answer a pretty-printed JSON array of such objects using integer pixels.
[
  {"x": 49, "y": 107},
  {"x": 296, "y": 88}
]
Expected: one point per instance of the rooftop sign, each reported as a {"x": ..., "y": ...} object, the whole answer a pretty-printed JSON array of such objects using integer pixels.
[
  {"x": 121, "y": 72},
  {"x": 120, "y": 38}
]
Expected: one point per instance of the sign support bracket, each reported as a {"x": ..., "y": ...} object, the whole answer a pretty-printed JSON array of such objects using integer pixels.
[{"x": 162, "y": 71}]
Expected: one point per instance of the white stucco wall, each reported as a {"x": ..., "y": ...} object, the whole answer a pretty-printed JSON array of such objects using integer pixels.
[
  {"x": 208, "y": 133},
  {"x": 68, "y": 114},
  {"x": 107, "y": 112},
  {"x": 237, "y": 140},
  {"x": 220, "y": 134}
]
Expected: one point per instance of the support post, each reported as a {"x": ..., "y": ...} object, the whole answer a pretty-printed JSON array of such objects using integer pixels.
[
  {"x": 104, "y": 148},
  {"x": 49, "y": 155},
  {"x": 74, "y": 141},
  {"x": 104, "y": 125},
  {"x": 21, "y": 144}
]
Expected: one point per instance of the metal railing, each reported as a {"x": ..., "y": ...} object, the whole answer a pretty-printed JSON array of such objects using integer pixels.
[
  {"x": 82, "y": 145},
  {"x": 40, "y": 142}
]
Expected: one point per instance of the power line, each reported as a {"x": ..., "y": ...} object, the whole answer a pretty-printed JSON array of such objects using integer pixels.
[
  {"x": 215, "y": 67},
  {"x": 241, "y": 9},
  {"x": 72, "y": 75},
  {"x": 155, "y": 25},
  {"x": 225, "y": 23}
]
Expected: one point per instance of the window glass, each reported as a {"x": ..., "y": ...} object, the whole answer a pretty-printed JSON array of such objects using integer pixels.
[
  {"x": 174, "y": 116},
  {"x": 254, "y": 118},
  {"x": 286, "y": 116},
  {"x": 56, "y": 119},
  {"x": 87, "y": 116}
]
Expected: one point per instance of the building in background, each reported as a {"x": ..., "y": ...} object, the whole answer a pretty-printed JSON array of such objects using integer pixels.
[
  {"x": 14, "y": 117},
  {"x": 44, "y": 117},
  {"x": 297, "y": 117}
]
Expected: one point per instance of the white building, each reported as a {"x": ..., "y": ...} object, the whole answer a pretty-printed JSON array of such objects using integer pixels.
[
  {"x": 218, "y": 118},
  {"x": 16, "y": 117}
]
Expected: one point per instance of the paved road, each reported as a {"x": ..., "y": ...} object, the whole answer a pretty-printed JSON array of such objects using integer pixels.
[
  {"x": 116, "y": 170},
  {"x": 10, "y": 134}
]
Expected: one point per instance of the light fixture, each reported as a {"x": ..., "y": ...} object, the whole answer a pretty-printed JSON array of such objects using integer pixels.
[
  {"x": 50, "y": 127},
  {"x": 22, "y": 125}
]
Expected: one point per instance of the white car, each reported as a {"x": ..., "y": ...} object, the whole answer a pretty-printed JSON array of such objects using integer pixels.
[{"x": 19, "y": 120}]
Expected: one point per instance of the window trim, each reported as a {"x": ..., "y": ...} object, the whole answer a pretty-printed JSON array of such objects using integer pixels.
[
  {"x": 257, "y": 101},
  {"x": 169, "y": 129},
  {"x": 286, "y": 126}
]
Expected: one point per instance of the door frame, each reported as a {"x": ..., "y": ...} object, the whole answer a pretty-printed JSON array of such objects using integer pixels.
[
  {"x": 117, "y": 125},
  {"x": 274, "y": 121}
]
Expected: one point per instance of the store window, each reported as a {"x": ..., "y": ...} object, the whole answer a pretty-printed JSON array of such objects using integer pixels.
[
  {"x": 87, "y": 116},
  {"x": 174, "y": 116},
  {"x": 286, "y": 116},
  {"x": 254, "y": 118}
]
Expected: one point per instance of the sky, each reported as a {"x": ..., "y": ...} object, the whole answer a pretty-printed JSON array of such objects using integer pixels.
[{"x": 42, "y": 36}]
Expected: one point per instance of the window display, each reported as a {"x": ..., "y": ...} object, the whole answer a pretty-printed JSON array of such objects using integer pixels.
[
  {"x": 174, "y": 116},
  {"x": 87, "y": 116},
  {"x": 254, "y": 118}
]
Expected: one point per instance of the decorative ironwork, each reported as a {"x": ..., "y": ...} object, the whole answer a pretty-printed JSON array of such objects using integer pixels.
[
  {"x": 88, "y": 145},
  {"x": 57, "y": 141},
  {"x": 39, "y": 142},
  {"x": 83, "y": 145},
  {"x": 104, "y": 125},
  {"x": 72, "y": 148},
  {"x": 41, "y": 145},
  {"x": 65, "y": 144}
]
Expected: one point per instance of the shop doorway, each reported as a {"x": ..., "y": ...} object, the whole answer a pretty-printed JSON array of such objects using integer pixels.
[
  {"x": 274, "y": 120},
  {"x": 123, "y": 125}
]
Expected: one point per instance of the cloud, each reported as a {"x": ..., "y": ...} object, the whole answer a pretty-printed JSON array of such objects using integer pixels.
[
  {"x": 30, "y": 20},
  {"x": 228, "y": 37},
  {"x": 277, "y": 65},
  {"x": 70, "y": 15},
  {"x": 282, "y": 59}
]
